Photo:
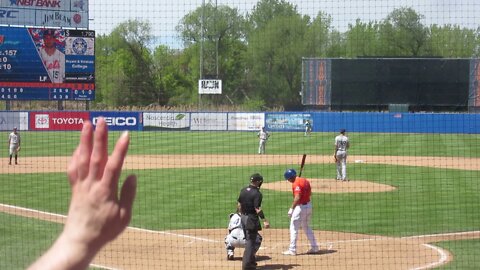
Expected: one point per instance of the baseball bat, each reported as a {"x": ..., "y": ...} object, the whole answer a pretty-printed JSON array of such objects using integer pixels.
[{"x": 302, "y": 165}]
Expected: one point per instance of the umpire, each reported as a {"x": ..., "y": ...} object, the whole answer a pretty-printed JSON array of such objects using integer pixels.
[{"x": 249, "y": 202}]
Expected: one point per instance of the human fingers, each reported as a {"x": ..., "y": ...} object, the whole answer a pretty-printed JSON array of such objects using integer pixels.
[
  {"x": 84, "y": 150},
  {"x": 72, "y": 167},
  {"x": 99, "y": 155},
  {"x": 127, "y": 196},
  {"x": 78, "y": 167},
  {"x": 115, "y": 162}
]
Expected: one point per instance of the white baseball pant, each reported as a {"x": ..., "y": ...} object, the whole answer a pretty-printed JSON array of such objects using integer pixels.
[{"x": 301, "y": 216}]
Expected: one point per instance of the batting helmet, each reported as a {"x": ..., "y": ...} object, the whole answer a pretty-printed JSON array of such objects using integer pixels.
[{"x": 289, "y": 174}]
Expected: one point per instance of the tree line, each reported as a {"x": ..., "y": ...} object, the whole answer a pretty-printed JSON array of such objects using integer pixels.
[{"x": 257, "y": 55}]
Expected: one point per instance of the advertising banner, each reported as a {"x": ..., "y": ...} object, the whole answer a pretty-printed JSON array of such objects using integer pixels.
[
  {"x": 166, "y": 121},
  {"x": 9, "y": 120},
  {"x": 287, "y": 121},
  {"x": 46, "y": 64},
  {"x": 246, "y": 121},
  {"x": 119, "y": 120},
  {"x": 58, "y": 121},
  {"x": 47, "y": 13},
  {"x": 208, "y": 121}
]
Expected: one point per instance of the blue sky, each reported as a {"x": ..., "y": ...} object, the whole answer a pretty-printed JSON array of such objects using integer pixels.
[{"x": 164, "y": 15}]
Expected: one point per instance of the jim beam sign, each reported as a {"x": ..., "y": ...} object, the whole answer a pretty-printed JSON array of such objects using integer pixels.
[{"x": 209, "y": 86}]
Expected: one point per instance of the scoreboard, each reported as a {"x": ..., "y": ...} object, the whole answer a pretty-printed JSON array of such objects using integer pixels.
[
  {"x": 424, "y": 84},
  {"x": 46, "y": 64}
]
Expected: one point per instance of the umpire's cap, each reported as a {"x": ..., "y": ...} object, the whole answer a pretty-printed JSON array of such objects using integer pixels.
[{"x": 256, "y": 177}]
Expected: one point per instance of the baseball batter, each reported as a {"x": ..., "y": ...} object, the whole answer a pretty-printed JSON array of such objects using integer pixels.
[
  {"x": 14, "y": 145},
  {"x": 341, "y": 145},
  {"x": 263, "y": 136},
  {"x": 300, "y": 212},
  {"x": 53, "y": 59},
  {"x": 236, "y": 237}
]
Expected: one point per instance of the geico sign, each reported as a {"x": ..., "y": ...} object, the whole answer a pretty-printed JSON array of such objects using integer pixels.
[{"x": 118, "y": 121}]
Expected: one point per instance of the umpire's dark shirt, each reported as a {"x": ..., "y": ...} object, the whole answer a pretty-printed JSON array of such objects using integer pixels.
[{"x": 250, "y": 198}]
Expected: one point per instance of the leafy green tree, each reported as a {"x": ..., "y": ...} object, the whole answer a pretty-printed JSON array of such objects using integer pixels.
[
  {"x": 124, "y": 74},
  {"x": 362, "y": 39},
  {"x": 218, "y": 32},
  {"x": 318, "y": 40},
  {"x": 403, "y": 34},
  {"x": 265, "y": 10},
  {"x": 258, "y": 57},
  {"x": 274, "y": 56},
  {"x": 453, "y": 41},
  {"x": 173, "y": 69},
  {"x": 275, "y": 39}
]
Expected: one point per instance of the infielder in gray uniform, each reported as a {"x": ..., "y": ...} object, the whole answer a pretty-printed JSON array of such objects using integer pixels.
[
  {"x": 236, "y": 237},
  {"x": 14, "y": 145},
  {"x": 340, "y": 155},
  {"x": 263, "y": 135}
]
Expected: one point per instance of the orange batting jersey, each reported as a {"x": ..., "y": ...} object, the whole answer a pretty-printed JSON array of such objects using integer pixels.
[{"x": 302, "y": 186}]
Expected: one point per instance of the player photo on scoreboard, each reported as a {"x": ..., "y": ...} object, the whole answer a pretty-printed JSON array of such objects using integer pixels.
[
  {"x": 51, "y": 48},
  {"x": 47, "y": 55},
  {"x": 47, "y": 63}
]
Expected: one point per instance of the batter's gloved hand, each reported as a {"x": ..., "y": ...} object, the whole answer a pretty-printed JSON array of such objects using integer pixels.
[{"x": 290, "y": 212}]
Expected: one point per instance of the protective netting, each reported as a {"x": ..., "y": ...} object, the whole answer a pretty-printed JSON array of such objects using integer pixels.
[{"x": 194, "y": 83}]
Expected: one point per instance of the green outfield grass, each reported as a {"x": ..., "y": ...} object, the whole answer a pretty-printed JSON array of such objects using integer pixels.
[
  {"x": 175, "y": 198},
  {"x": 23, "y": 240},
  {"x": 427, "y": 200},
  {"x": 216, "y": 142},
  {"x": 466, "y": 254}
]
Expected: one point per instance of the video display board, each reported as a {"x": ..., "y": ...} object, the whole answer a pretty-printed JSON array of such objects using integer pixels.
[
  {"x": 424, "y": 84},
  {"x": 47, "y": 64}
]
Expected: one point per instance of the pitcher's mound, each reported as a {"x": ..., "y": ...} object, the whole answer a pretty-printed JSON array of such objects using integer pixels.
[{"x": 333, "y": 186}]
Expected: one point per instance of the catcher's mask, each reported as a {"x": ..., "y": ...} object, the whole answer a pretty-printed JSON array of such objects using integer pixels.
[
  {"x": 256, "y": 177},
  {"x": 289, "y": 174}
]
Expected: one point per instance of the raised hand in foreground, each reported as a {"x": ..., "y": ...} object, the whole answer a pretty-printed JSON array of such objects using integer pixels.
[{"x": 96, "y": 214}]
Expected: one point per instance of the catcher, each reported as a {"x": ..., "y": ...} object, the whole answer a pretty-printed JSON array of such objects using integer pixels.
[
  {"x": 236, "y": 236},
  {"x": 14, "y": 145}
]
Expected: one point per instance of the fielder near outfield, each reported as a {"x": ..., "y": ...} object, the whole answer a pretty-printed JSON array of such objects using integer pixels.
[
  {"x": 14, "y": 145},
  {"x": 263, "y": 135}
]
